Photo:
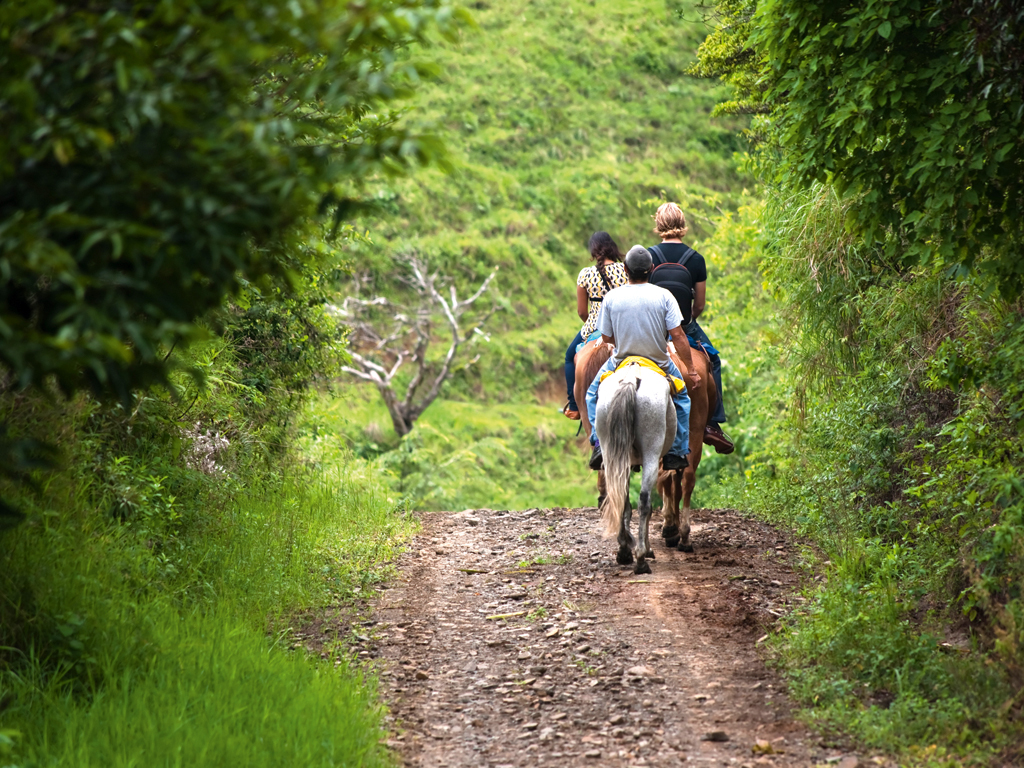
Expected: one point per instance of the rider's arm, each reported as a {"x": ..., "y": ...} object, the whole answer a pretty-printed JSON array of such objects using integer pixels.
[
  {"x": 608, "y": 339},
  {"x": 683, "y": 350},
  {"x": 581, "y": 302},
  {"x": 698, "y": 298}
]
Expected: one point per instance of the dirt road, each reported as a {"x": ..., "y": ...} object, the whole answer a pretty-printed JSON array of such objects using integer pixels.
[{"x": 513, "y": 639}]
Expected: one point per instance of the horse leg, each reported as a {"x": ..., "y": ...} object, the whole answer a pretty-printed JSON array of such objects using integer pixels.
[
  {"x": 643, "y": 546},
  {"x": 687, "y": 477},
  {"x": 669, "y": 488},
  {"x": 602, "y": 489},
  {"x": 685, "y": 480},
  {"x": 625, "y": 555}
]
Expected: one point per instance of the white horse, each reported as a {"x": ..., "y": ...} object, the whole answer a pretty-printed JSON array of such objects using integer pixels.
[{"x": 635, "y": 423}]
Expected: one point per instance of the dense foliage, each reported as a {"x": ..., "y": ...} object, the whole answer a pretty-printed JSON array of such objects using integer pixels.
[
  {"x": 914, "y": 111},
  {"x": 911, "y": 109},
  {"x": 162, "y": 166},
  {"x": 889, "y": 139},
  {"x": 153, "y": 156}
]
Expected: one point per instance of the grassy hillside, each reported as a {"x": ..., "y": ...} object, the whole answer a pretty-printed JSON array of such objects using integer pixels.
[{"x": 562, "y": 119}]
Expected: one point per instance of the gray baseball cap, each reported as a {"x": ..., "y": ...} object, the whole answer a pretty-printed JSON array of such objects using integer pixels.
[{"x": 638, "y": 260}]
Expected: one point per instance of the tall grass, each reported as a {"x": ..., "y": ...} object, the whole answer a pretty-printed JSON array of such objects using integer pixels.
[
  {"x": 202, "y": 690},
  {"x": 155, "y": 634},
  {"x": 502, "y": 456}
]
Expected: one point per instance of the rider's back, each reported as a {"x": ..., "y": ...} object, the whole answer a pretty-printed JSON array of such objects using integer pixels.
[
  {"x": 638, "y": 316},
  {"x": 678, "y": 268}
]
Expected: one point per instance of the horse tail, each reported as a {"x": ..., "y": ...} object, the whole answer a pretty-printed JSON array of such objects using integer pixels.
[{"x": 617, "y": 450}]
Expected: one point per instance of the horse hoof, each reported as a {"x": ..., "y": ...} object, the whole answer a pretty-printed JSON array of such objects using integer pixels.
[
  {"x": 685, "y": 547},
  {"x": 650, "y": 554},
  {"x": 641, "y": 567},
  {"x": 670, "y": 531},
  {"x": 671, "y": 542},
  {"x": 600, "y": 501},
  {"x": 625, "y": 556}
]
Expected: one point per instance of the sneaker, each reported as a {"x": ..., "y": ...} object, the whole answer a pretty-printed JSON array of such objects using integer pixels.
[
  {"x": 570, "y": 414},
  {"x": 717, "y": 439},
  {"x": 596, "y": 460},
  {"x": 671, "y": 462}
]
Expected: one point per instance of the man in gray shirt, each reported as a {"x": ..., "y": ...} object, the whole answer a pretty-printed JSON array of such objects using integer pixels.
[{"x": 636, "y": 318}]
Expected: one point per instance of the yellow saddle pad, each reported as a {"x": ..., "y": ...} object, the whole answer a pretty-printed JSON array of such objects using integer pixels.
[{"x": 678, "y": 385}]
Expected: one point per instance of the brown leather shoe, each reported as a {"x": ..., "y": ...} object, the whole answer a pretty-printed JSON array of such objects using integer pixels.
[
  {"x": 717, "y": 439},
  {"x": 570, "y": 414}
]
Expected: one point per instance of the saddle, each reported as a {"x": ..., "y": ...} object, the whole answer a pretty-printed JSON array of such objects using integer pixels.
[
  {"x": 675, "y": 384},
  {"x": 592, "y": 337}
]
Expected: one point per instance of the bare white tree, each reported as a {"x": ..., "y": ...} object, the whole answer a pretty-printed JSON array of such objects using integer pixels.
[{"x": 386, "y": 337}]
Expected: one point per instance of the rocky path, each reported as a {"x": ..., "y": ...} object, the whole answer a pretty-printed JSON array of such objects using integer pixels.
[{"x": 513, "y": 639}]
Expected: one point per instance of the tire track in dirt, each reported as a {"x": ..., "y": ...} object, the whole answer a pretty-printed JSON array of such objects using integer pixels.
[{"x": 591, "y": 664}]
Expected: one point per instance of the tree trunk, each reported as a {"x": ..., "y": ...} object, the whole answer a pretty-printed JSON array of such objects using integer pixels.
[{"x": 401, "y": 422}]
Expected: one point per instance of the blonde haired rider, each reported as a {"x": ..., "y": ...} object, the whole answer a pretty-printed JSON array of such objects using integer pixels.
[{"x": 670, "y": 226}]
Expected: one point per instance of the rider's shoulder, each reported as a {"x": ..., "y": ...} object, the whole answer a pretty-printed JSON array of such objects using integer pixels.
[{"x": 658, "y": 293}]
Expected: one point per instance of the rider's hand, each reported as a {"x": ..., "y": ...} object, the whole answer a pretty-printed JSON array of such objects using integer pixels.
[{"x": 693, "y": 380}]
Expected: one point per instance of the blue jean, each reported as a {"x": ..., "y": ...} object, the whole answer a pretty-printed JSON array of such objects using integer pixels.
[
  {"x": 694, "y": 330},
  {"x": 570, "y": 369},
  {"x": 681, "y": 445}
]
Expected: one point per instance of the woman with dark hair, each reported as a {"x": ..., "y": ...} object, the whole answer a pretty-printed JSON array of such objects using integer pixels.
[{"x": 592, "y": 284}]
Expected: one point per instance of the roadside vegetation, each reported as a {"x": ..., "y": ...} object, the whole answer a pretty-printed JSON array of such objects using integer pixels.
[
  {"x": 889, "y": 402},
  {"x": 175, "y": 192},
  {"x": 149, "y": 599}
]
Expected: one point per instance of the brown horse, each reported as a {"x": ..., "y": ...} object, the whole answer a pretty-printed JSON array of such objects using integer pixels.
[
  {"x": 672, "y": 486},
  {"x": 588, "y": 362}
]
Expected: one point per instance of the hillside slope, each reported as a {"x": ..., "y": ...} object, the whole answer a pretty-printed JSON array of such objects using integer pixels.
[{"x": 562, "y": 118}]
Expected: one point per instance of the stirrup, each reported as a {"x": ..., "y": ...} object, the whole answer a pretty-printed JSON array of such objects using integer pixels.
[{"x": 676, "y": 462}]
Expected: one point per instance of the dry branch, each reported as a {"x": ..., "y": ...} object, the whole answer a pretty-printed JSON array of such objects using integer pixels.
[{"x": 385, "y": 338}]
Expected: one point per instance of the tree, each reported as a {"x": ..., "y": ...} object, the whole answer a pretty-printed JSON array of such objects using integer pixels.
[
  {"x": 386, "y": 335},
  {"x": 911, "y": 109},
  {"x": 155, "y": 156},
  {"x": 727, "y": 54}
]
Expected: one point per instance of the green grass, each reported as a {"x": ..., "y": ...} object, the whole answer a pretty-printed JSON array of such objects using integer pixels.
[
  {"x": 207, "y": 691},
  {"x": 461, "y": 454},
  {"x": 562, "y": 118},
  {"x": 164, "y": 642}
]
